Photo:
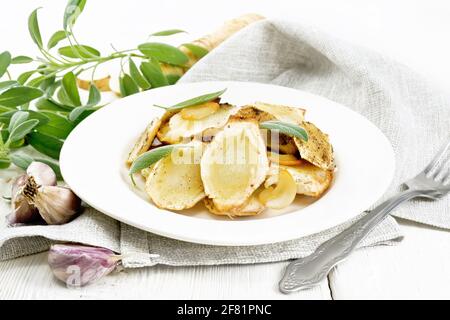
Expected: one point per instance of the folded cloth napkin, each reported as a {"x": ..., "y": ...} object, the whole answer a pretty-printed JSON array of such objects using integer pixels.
[{"x": 413, "y": 116}]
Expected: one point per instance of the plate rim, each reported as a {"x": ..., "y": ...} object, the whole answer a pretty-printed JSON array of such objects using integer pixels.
[{"x": 229, "y": 242}]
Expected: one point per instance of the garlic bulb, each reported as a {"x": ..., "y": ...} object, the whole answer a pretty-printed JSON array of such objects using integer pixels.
[
  {"x": 23, "y": 212},
  {"x": 42, "y": 173},
  {"x": 56, "y": 205},
  {"x": 35, "y": 195},
  {"x": 78, "y": 265}
]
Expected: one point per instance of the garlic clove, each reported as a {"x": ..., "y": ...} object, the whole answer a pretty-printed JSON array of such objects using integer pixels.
[
  {"x": 17, "y": 185},
  {"x": 56, "y": 205},
  {"x": 42, "y": 173},
  {"x": 78, "y": 265},
  {"x": 22, "y": 211}
]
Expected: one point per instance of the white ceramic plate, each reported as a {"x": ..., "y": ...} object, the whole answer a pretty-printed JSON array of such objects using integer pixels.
[{"x": 93, "y": 157}]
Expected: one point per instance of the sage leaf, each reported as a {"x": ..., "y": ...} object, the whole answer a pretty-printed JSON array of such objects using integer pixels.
[
  {"x": 73, "y": 10},
  {"x": 164, "y": 53},
  {"x": 50, "y": 91},
  {"x": 56, "y": 38},
  {"x": 25, "y": 76},
  {"x": 69, "y": 84},
  {"x": 172, "y": 78},
  {"x": 33, "y": 28},
  {"x": 36, "y": 82},
  {"x": 197, "y": 51},
  {"x": 45, "y": 144},
  {"x": 47, "y": 83},
  {"x": 4, "y": 163},
  {"x": 196, "y": 101},
  {"x": 3, "y": 136},
  {"x": 58, "y": 126},
  {"x": 5, "y": 85},
  {"x": 148, "y": 158},
  {"x": 38, "y": 116},
  {"x": 20, "y": 131},
  {"x": 16, "y": 119},
  {"x": 21, "y": 60},
  {"x": 51, "y": 105},
  {"x": 25, "y": 106},
  {"x": 17, "y": 144},
  {"x": 79, "y": 51},
  {"x": 153, "y": 73},
  {"x": 6, "y": 116},
  {"x": 17, "y": 96},
  {"x": 127, "y": 86},
  {"x": 86, "y": 113},
  {"x": 289, "y": 129},
  {"x": 45, "y": 104},
  {"x": 4, "y": 109},
  {"x": 5, "y": 61},
  {"x": 137, "y": 76},
  {"x": 21, "y": 160},
  {"x": 94, "y": 99},
  {"x": 63, "y": 99},
  {"x": 76, "y": 113},
  {"x": 168, "y": 32},
  {"x": 94, "y": 96}
]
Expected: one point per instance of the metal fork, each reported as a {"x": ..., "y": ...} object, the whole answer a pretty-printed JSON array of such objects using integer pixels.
[{"x": 432, "y": 183}]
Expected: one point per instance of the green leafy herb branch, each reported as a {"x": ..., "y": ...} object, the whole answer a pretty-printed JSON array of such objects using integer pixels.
[{"x": 42, "y": 106}]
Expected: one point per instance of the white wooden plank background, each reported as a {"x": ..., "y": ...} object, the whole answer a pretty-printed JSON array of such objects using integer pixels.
[
  {"x": 30, "y": 277},
  {"x": 419, "y": 268},
  {"x": 414, "y": 32}
]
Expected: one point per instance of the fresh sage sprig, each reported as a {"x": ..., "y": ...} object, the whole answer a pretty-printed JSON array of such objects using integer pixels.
[
  {"x": 164, "y": 53},
  {"x": 168, "y": 32},
  {"x": 19, "y": 126},
  {"x": 148, "y": 158},
  {"x": 47, "y": 95},
  {"x": 194, "y": 101},
  {"x": 289, "y": 129}
]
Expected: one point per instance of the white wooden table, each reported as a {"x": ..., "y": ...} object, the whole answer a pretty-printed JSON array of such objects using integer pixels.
[{"x": 414, "y": 32}]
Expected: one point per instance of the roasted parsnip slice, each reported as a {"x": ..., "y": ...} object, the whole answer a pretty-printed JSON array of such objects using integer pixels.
[
  {"x": 199, "y": 112},
  {"x": 282, "y": 113},
  {"x": 310, "y": 180},
  {"x": 251, "y": 207},
  {"x": 145, "y": 140},
  {"x": 175, "y": 182},
  {"x": 234, "y": 165},
  {"x": 178, "y": 129},
  {"x": 250, "y": 113},
  {"x": 165, "y": 135},
  {"x": 283, "y": 144},
  {"x": 317, "y": 150},
  {"x": 284, "y": 159}
]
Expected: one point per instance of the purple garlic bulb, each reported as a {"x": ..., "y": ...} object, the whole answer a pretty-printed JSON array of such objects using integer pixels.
[
  {"x": 23, "y": 210},
  {"x": 78, "y": 265}
]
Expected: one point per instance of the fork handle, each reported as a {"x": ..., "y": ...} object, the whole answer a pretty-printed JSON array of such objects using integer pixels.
[{"x": 309, "y": 271}]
